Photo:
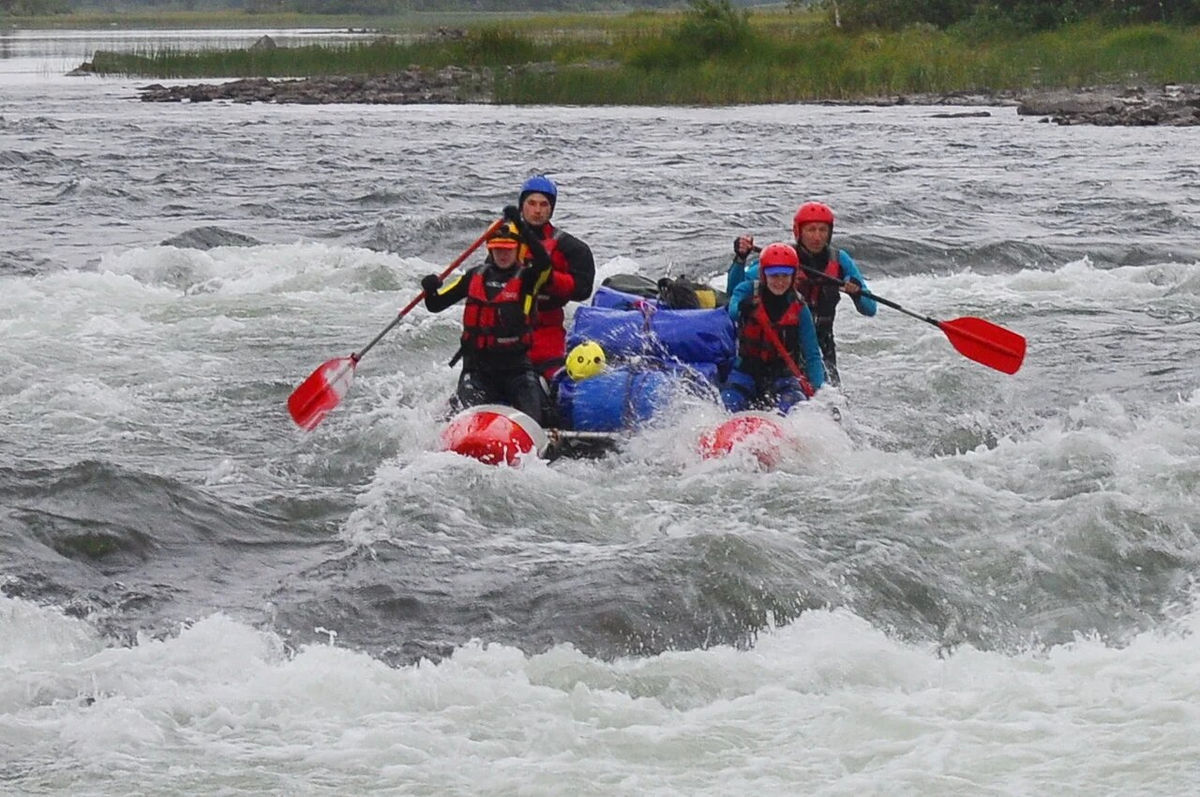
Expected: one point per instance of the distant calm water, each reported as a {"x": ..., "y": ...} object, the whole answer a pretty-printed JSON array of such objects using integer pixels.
[{"x": 972, "y": 584}]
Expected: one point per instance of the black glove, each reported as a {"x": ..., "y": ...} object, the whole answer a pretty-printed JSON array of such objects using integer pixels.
[
  {"x": 524, "y": 230},
  {"x": 511, "y": 213},
  {"x": 430, "y": 283},
  {"x": 530, "y": 275}
]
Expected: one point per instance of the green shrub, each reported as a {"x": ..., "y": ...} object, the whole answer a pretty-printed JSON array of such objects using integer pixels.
[
  {"x": 711, "y": 29},
  {"x": 498, "y": 47}
]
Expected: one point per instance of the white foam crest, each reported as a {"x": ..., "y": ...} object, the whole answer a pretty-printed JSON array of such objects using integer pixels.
[
  {"x": 227, "y": 472},
  {"x": 32, "y": 635},
  {"x": 86, "y": 187},
  {"x": 1073, "y": 285},
  {"x": 826, "y": 705},
  {"x": 110, "y": 327},
  {"x": 672, "y": 439},
  {"x": 618, "y": 265},
  {"x": 223, "y": 324},
  {"x": 421, "y": 321},
  {"x": 1117, "y": 469},
  {"x": 390, "y": 409},
  {"x": 399, "y": 497},
  {"x": 161, "y": 265},
  {"x": 84, "y": 399},
  {"x": 1109, "y": 465},
  {"x": 266, "y": 269},
  {"x": 67, "y": 300},
  {"x": 1079, "y": 281},
  {"x": 820, "y": 438},
  {"x": 1097, "y": 446},
  {"x": 811, "y": 439}
]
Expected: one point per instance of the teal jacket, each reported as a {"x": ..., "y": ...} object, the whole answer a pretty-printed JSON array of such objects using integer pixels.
[{"x": 814, "y": 366}]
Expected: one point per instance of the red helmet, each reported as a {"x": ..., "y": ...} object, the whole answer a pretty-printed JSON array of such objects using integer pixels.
[
  {"x": 811, "y": 211},
  {"x": 778, "y": 256}
]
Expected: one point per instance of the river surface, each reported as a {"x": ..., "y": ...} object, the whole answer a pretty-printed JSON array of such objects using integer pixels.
[{"x": 973, "y": 583}]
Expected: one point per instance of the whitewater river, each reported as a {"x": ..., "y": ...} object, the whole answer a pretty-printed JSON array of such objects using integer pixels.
[{"x": 973, "y": 583}]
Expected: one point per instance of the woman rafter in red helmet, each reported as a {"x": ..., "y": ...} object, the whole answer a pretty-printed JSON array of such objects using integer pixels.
[
  {"x": 821, "y": 267},
  {"x": 778, "y": 361}
]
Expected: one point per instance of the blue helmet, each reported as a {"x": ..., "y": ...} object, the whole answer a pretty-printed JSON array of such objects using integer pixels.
[{"x": 539, "y": 184}]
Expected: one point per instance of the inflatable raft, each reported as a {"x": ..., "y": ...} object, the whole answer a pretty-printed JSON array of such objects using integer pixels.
[
  {"x": 496, "y": 434},
  {"x": 630, "y": 356}
]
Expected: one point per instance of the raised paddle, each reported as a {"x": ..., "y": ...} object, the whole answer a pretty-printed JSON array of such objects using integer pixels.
[
  {"x": 324, "y": 388},
  {"x": 974, "y": 338}
]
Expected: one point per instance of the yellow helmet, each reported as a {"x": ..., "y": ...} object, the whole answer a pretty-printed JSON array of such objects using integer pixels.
[
  {"x": 506, "y": 236},
  {"x": 585, "y": 360}
]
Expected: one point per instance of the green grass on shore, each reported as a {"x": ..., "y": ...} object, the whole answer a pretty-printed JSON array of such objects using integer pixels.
[{"x": 655, "y": 58}]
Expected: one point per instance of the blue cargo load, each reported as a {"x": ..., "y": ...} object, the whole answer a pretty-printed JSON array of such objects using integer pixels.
[
  {"x": 690, "y": 336},
  {"x": 615, "y": 400}
]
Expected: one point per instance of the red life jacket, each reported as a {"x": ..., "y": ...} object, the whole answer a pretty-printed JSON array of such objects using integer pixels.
[
  {"x": 499, "y": 323},
  {"x": 822, "y": 296},
  {"x": 753, "y": 343},
  {"x": 558, "y": 262},
  {"x": 549, "y": 349}
]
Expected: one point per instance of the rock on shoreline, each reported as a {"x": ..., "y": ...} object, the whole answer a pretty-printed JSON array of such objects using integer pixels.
[
  {"x": 1170, "y": 105},
  {"x": 413, "y": 85},
  {"x": 1175, "y": 105}
]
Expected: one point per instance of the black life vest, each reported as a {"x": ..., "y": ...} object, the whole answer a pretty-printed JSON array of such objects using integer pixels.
[
  {"x": 499, "y": 323},
  {"x": 821, "y": 295}
]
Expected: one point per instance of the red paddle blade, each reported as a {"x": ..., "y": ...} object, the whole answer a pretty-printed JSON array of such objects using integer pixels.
[
  {"x": 321, "y": 392},
  {"x": 987, "y": 343}
]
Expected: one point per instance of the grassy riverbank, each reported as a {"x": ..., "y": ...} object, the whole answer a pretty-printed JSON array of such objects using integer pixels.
[{"x": 672, "y": 58}]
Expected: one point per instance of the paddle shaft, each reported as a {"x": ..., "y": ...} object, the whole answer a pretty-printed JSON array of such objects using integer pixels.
[
  {"x": 842, "y": 283},
  {"x": 416, "y": 299},
  {"x": 895, "y": 306}
]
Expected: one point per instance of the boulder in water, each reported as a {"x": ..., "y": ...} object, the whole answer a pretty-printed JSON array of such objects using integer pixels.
[{"x": 209, "y": 238}]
